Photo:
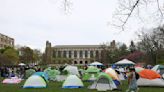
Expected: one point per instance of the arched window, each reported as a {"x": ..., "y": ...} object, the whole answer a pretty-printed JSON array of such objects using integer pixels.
[
  {"x": 81, "y": 62},
  {"x": 75, "y": 62},
  {"x": 86, "y": 62}
]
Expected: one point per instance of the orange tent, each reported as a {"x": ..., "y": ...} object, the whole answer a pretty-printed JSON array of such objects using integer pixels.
[{"x": 149, "y": 74}]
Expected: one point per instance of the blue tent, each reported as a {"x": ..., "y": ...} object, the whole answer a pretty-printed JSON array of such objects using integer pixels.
[{"x": 42, "y": 74}]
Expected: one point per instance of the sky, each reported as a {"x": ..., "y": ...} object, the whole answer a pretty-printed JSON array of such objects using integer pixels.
[{"x": 33, "y": 22}]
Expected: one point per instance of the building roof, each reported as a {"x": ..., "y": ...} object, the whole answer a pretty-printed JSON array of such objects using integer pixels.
[{"x": 77, "y": 46}]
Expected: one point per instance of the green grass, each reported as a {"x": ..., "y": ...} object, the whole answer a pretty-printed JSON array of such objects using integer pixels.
[{"x": 56, "y": 87}]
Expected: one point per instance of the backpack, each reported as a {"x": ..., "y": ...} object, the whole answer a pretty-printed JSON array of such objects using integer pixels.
[{"x": 137, "y": 76}]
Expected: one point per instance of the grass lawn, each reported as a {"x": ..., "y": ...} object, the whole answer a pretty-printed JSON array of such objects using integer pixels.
[{"x": 56, "y": 87}]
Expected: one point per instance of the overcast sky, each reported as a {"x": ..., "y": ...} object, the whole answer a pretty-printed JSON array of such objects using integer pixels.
[{"x": 32, "y": 22}]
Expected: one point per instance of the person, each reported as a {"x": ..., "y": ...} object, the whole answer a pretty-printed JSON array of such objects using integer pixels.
[{"x": 132, "y": 81}]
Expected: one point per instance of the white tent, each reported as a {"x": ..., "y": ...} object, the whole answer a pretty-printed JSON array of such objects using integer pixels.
[
  {"x": 124, "y": 61},
  {"x": 72, "y": 70},
  {"x": 35, "y": 81},
  {"x": 95, "y": 63},
  {"x": 72, "y": 81},
  {"x": 154, "y": 82}
]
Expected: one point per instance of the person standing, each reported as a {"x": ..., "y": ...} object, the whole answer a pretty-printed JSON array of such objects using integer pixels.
[{"x": 132, "y": 81}]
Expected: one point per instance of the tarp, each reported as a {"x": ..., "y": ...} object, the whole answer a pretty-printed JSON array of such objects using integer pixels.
[
  {"x": 103, "y": 83},
  {"x": 149, "y": 74},
  {"x": 72, "y": 81},
  {"x": 12, "y": 80},
  {"x": 73, "y": 70},
  {"x": 154, "y": 82},
  {"x": 95, "y": 64},
  {"x": 124, "y": 62},
  {"x": 35, "y": 81}
]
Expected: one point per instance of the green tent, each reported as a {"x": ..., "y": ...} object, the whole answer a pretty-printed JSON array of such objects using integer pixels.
[
  {"x": 52, "y": 73},
  {"x": 103, "y": 83},
  {"x": 29, "y": 72},
  {"x": 92, "y": 69},
  {"x": 91, "y": 74}
]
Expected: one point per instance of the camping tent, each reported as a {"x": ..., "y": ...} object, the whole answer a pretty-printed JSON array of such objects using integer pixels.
[
  {"x": 103, "y": 83},
  {"x": 153, "y": 82},
  {"x": 29, "y": 72},
  {"x": 42, "y": 74},
  {"x": 52, "y": 73},
  {"x": 91, "y": 73},
  {"x": 12, "y": 80},
  {"x": 72, "y": 81},
  {"x": 150, "y": 78},
  {"x": 112, "y": 73},
  {"x": 138, "y": 69},
  {"x": 96, "y": 64},
  {"x": 72, "y": 70},
  {"x": 125, "y": 62},
  {"x": 149, "y": 74},
  {"x": 35, "y": 81},
  {"x": 159, "y": 69}
]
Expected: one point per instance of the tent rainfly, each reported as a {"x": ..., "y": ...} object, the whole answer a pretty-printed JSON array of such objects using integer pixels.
[{"x": 124, "y": 62}]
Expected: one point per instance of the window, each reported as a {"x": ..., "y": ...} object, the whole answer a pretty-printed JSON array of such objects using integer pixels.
[
  {"x": 75, "y": 62},
  {"x": 81, "y": 54},
  {"x": 86, "y": 54},
  {"x": 81, "y": 62},
  {"x": 75, "y": 54}
]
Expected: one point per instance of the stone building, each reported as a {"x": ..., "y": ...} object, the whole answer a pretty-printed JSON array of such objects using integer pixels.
[
  {"x": 6, "y": 41},
  {"x": 73, "y": 54}
]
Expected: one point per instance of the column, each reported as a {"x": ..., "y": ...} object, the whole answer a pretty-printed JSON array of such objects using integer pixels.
[
  {"x": 67, "y": 53},
  {"x": 88, "y": 54},
  {"x": 83, "y": 53},
  {"x": 72, "y": 54},
  {"x": 78, "y": 54}
]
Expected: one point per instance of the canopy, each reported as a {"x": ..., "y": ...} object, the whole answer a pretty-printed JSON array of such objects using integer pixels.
[
  {"x": 149, "y": 74},
  {"x": 21, "y": 64},
  {"x": 124, "y": 62},
  {"x": 95, "y": 64}
]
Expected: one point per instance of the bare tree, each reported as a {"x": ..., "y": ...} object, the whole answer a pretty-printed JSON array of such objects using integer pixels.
[{"x": 138, "y": 9}]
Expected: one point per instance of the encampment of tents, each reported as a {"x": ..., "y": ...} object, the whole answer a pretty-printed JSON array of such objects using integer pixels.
[
  {"x": 35, "y": 81},
  {"x": 112, "y": 73},
  {"x": 72, "y": 81}
]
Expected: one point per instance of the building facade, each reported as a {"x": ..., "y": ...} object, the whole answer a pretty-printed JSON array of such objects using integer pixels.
[
  {"x": 73, "y": 54},
  {"x": 77, "y": 54},
  {"x": 6, "y": 41}
]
